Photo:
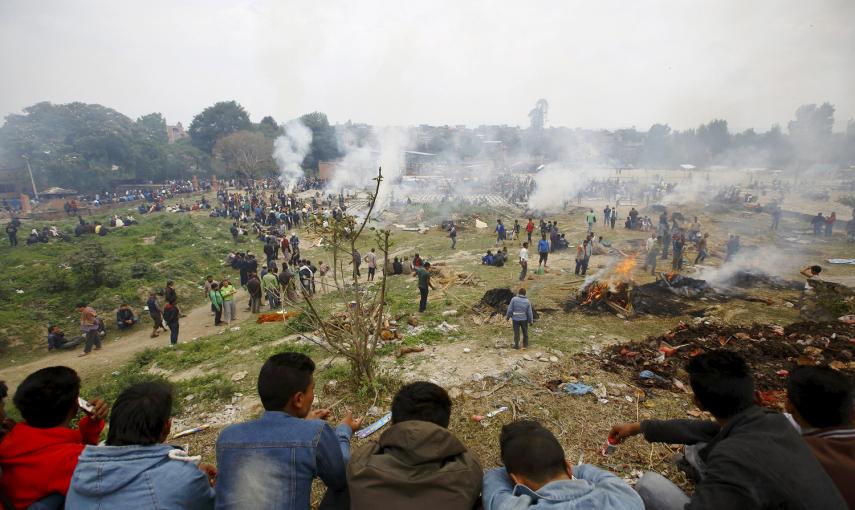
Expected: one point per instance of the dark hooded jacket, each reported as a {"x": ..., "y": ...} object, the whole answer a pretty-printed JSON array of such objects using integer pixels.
[{"x": 414, "y": 465}]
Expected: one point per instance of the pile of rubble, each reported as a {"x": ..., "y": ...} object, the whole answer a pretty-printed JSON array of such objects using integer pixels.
[
  {"x": 444, "y": 275},
  {"x": 669, "y": 296},
  {"x": 771, "y": 351}
]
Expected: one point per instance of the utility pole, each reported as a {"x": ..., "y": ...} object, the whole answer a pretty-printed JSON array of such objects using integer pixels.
[{"x": 32, "y": 181}]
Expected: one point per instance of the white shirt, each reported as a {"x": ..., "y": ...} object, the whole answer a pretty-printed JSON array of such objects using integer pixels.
[
  {"x": 523, "y": 254},
  {"x": 650, "y": 243}
]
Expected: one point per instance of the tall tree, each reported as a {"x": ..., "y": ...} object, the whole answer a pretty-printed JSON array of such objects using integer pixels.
[
  {"x": 245, "y": 154},
  {"x": 714, "y": 136},
  {"x": 153, "y": 127},
  {"x": 324, "y": 141},
  {"x": 269, "y": 128},
  {"x": 217, "y": 121},
  {"x": 810, "y": 132},
  {"x": 657, "y": 145}
]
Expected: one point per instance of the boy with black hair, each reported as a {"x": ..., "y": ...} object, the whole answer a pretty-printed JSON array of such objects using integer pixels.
[
  {"x": 276, "y": 457},
  {"x": 537, "y": 474},
  {"x": 417, "y": 463},
  {"x": 748, "y": 457},
  {"x": 38, "y": 455},
  {"x": 135, "y": 469},
  {"x": 821, "y": 401}
]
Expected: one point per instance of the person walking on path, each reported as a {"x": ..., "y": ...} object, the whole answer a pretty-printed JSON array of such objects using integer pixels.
[
  {"x": 520, "y": 312},
  {"x": 169, "y": 293},
  {"x": 371, "y": 260},
  {"x": 90, "y": 326},
  {"x": 542, "y": 251},
  {"x": 452, "y": 233},
  {"x": 170, "y": 316},
  {"x": 357, "y": 261},
  {"x": 500, "y": 232},
  {"x": 702, "y": 249},
  {"x": 423, "y": 274},
  {"x": 216, "y": 303},
  {"x": 523, "y": 261},
  {"x": 229, "y": 308},
  {"x": 155, "y": 313},
  {"x": 253, "y": 287},
  {"x": 590, "y": 219}
]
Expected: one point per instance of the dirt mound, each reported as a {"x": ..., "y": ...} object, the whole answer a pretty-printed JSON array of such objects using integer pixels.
[{"x": 771, "y": 351}]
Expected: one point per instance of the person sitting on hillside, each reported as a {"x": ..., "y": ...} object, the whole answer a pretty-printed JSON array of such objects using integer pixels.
[
  {"x": 407, "y": 266},
  {"x": 747, "y": 458},
  {"x": 289, "y": 445},
  {"x": 397, "y": 267},
  {"x": 488, "y": 258},
  {"x": 56, "y": 340},
  {"x": 417, "y": 463},
  {"x": 125, "y": 317},
  {"x": 38, "y": 455},
  {"x": 821, "y": 399},
  {"x": 135, "y": 468},
  {"x": 536, "y": 474},
  {"x": 500, "y": 257}
]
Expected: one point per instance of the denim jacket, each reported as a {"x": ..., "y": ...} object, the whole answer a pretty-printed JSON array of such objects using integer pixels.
[
  {"x": 269, "y": 463},
  {"x": 157, "y": 477},
  {"x": 590, "y": 488}
]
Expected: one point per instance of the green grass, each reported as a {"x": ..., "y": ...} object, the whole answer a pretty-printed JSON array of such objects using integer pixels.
[{"x": 184, "y": 249}]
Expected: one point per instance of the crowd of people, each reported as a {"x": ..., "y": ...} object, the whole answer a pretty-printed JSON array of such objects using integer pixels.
[{"x": 746, "y": 457}]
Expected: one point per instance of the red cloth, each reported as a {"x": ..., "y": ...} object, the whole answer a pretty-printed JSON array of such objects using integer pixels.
[{"x": 38, "y": 462}]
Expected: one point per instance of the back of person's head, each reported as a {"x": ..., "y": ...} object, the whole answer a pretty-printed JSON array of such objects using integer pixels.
[
  {"x": 530, "y": 450},
  {"x": 823, "y": 397},
  {"x": 521, "y": 291},
  {"x": 815, "y": 269},
  {"x": 141, "y": 414},
  {"x": 282, "y": 376},
  {"x": 722, "y": 382},
  {"x": 422, "y": 401},
  {"x": 48, "y": 397},
  {"x": 427, "y": 265}
]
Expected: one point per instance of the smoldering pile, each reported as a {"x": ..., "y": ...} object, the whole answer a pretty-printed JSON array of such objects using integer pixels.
[
  {"x": 671, "y": 294},
  {"x": 771, "y": 351}
]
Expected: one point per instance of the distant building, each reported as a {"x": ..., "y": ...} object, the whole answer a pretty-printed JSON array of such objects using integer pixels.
[{"x": 175, "y": 133}]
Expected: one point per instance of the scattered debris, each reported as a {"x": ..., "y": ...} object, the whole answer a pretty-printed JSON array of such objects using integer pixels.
[
  {"x": 406, "y": 350},
  {"x": 194, "y": 430},
  {"x": 280, "y": 316},
  {"x": 239, "y": 376}
]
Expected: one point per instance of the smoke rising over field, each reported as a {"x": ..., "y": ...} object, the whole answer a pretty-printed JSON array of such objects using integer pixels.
[{"x": 289, "y": 151}]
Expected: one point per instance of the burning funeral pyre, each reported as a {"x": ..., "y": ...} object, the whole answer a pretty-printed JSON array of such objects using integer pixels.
[{"x": 619, "y": 294}]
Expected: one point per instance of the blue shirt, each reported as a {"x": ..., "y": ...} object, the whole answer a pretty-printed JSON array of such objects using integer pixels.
[
  {"x": 590, "y": 488},
  {"x": 543, "y": 246},
  {"x": 270, "y": 463}
]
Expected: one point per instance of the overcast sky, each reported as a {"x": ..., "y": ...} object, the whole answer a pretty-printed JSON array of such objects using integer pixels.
[{"x": 599, "y": 63}]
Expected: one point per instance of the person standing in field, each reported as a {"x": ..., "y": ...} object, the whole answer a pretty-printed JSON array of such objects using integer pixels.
[
  {"x": 155, "y": 313},
  {"x": 520, "y": 312},
  {"x": 229, "y": 308},
  {"x": 523, "y": 261},
  {"x": 529, "y": 228},
  {"x": 423, "y": 274},
  {"x": 216, "y": 303},
  {"x": 170, "y": 316},
  {"x": 371, "y": 260},
  {"x": 90, "y": 326},
  {"x": 452, "y": 233}
]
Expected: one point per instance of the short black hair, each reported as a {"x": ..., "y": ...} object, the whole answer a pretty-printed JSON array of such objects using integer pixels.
[
  {"x": 47, "y": 396},
  {"x": 822, "y": 396},
  {"x": 722, "y": 382},
  {"x": 140, "y": 414},
  {"x": 282, "y": 376},
  {"x": 529, "y": 449},
  {"x": 422, "y": 401},
  {"x": 816, "y": 269}
]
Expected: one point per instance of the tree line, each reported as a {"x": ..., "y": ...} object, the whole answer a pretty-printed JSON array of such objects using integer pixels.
[{"x": 89, "y": 146}]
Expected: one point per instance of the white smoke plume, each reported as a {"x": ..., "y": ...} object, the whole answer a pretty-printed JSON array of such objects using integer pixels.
[
  {"x": 290, "y": 150},
  {"x": 555, "y": 185},
  {"x": 769, "y": 260}
]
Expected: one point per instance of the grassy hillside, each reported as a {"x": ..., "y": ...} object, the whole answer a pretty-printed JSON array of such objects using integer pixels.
[{"x": 129, "y": 262}]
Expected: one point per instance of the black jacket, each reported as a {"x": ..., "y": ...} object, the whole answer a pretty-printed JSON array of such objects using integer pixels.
[
  {"x": 170, "y": 314},
  {"x": 757, "y": 461}
]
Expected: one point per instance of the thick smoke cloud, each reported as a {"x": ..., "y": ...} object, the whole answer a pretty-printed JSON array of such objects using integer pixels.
[
  {"x": 289, "y": 151},
  {"x": 555, "y": 185}
]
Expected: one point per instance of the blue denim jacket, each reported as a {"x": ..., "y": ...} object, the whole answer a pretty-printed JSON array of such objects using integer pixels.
[
  {"x": 591, "y": 488},
  {"x": 270, "y": 463},
  {"x": 157, "y": 477}
]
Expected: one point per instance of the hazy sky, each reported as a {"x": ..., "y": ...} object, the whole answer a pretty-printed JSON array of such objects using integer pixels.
[{"x": 599, "y": 63}]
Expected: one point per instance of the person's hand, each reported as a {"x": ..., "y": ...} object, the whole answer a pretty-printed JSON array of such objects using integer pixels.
[
  {"x": 318, "y": 414},
  {"x": 624, "y": 431},
  {"x": 211, "y": 471},
  {"x": 354, "y": 423},
  {"x": 100, "y": 409}
]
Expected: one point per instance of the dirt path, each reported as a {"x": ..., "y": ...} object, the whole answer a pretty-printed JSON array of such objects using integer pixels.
[{"x": 119, "y": 348}]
